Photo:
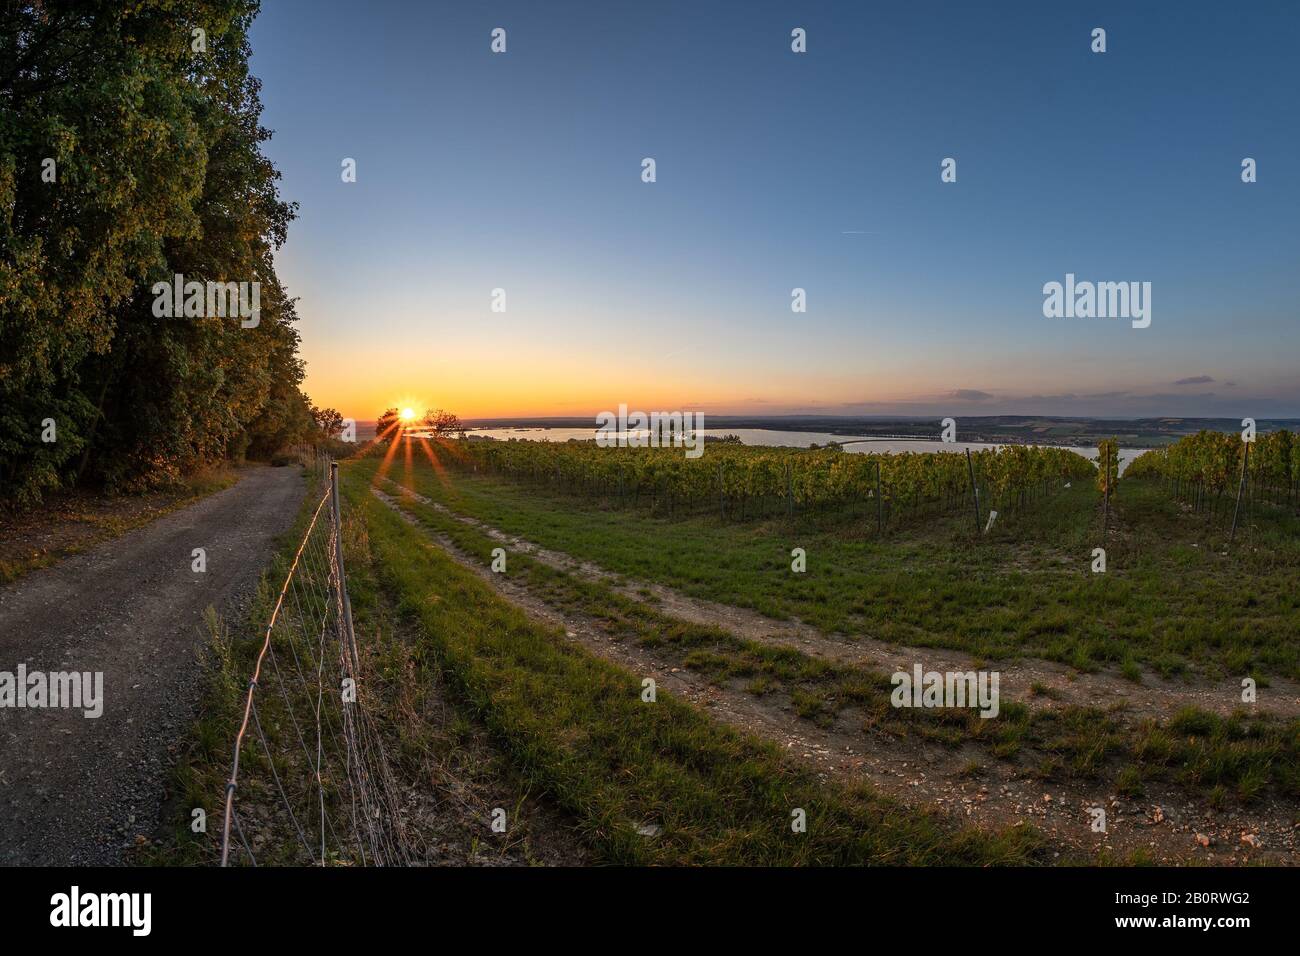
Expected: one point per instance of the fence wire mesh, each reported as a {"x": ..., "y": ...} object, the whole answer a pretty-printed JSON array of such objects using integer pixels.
[{"x": 309, "y": 782}]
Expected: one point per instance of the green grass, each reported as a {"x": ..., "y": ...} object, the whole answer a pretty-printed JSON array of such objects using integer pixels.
[
  {"x": 427, "y": 742},
  {"x": 571, "y": 728},
  {"x": 1169, "y": 601},
  {"x": 578, "y": 730}
]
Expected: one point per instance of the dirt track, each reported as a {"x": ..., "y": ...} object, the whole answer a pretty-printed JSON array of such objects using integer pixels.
[{"x": 77, "y": 790}]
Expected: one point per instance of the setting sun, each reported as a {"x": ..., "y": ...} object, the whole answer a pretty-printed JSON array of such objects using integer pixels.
[{"x": 408, "y": 414}]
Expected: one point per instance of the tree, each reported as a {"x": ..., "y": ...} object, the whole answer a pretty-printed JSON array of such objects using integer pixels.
[
  {"x": 443, "y": 424},
  {"x": 388, "y": 424},
  {"x": 328, "y": 420},
  {"x": 127, "y": 157}
]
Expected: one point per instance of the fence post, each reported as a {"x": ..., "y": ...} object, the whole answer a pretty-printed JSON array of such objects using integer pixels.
[
  {"x": 974, "y": 491},
  {"x": 349, "y": 634},
  {"x": 1245, "y": 463},
  {"x": 1105, "y": 497},
  {"x": 880, "y": 503}
]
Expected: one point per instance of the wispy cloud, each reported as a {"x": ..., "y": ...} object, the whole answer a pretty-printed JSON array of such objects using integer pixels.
[
  {"x": 1107, "y": 395},
  {"x": 1195, "y": 380}
]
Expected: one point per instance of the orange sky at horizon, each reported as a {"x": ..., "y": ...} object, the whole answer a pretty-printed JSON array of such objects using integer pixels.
[
  {"x": 574, "y": 387},
  {"x": 483, "y": 382},
  {"x": 519, "y": 373}
]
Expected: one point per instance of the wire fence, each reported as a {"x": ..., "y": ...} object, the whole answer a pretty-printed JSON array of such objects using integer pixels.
[{"x": 309, "y": 782}]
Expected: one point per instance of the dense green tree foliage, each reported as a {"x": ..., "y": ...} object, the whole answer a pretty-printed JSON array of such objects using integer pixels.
[{"x": 130, "y": 151}]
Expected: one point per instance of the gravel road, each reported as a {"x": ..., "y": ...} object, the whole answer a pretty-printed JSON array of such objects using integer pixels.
[{"x": 77, "y": 790}]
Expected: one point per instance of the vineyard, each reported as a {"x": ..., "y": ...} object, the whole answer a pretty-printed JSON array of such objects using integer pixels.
[
  {"x": 1211, "y": 470},
  {"x": 739, "y": 482}
]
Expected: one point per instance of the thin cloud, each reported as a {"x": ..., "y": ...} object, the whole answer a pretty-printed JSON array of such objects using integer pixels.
[
  {"x": 1195, "y": 380},
  {"x": 969, "y": 395},
  {"x": 1040, "y": 399}
]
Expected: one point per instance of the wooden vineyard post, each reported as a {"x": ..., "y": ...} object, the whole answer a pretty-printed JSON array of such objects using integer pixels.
[
  {"x": 789, "y": 491},
  {"x": 1111, "y": 478},
  {"x": 722, "y": 511},
  {"x": 1105, "y": 499},
  {"x": 1241, "y": 486},
  {"x": 1106, "y": 450},
  {"x": 880, "y": 503},
  {"x": 974, "y": 490}
]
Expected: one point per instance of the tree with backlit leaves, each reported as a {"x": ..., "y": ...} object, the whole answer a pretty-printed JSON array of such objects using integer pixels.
[
  {"x": 386, "y": 427},
  {"x": 443, "y": 424}
]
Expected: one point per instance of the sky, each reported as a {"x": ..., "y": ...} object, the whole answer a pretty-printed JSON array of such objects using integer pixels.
[{"x": 778, "y": 170}]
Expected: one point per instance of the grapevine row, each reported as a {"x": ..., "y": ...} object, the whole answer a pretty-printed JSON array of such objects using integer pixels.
[
  {"x": 1207, "y": 467},
  {"x": 739, "y": 482}
]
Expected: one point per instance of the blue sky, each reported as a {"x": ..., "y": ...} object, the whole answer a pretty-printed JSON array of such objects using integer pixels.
[{"x": 778, "y": 170}]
